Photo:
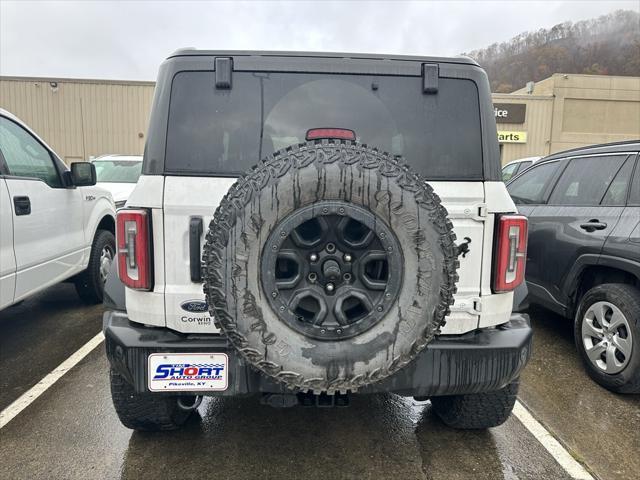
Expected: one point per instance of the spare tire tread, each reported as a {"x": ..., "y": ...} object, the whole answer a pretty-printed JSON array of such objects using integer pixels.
[{"x": 277, "y": 165}]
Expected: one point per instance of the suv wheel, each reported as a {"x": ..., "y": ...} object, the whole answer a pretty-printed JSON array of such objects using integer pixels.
[
  {"x": 146, "y": 411},
  {"x": 607, "y": 332},
  {"x": 90, "y": 283},
  {"x": 477, "y": 410}
]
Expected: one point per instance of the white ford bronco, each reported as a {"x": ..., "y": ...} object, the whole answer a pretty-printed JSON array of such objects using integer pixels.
[
  {"x": 312, "y": 226},
  {"x": 55, "y": 225}
]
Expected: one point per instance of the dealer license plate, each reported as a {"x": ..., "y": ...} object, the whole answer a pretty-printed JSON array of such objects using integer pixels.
[{"x": 188, "y": 372}]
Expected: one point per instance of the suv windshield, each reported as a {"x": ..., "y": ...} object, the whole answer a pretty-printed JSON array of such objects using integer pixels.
[
  {"x": 225, "y": 132},
  {"x": 118, "y": 171}
]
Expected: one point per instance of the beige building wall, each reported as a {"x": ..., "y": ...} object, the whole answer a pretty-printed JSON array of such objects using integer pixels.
[
  {"x": 81, "y": 118},
  {"x": 591, "y": 109}
]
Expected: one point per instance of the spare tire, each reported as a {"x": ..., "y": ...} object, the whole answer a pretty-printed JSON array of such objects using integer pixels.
[{"x": 330, "y": 266}]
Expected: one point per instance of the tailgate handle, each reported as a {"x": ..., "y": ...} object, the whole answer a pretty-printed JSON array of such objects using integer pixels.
[
  {"x": 195, "y": 234},
  {"x": 22, "y": 205}
]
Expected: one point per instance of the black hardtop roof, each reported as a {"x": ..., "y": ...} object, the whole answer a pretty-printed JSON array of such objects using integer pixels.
[
  {"x": 319, "y": 63},
  {"x": 192, "y": 52},
  {"x": 615, "y": 147}
]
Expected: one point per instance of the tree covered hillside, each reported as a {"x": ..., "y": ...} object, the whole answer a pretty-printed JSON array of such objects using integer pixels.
[{"x": 607, "y": 45}]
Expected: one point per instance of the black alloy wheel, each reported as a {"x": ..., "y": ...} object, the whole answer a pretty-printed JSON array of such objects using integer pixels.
[{"x": 331, "y": 270}]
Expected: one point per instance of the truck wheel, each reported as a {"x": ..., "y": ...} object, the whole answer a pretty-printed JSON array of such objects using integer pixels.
[
  {"x": 477, "y": 410},
  {"x": 607, "y": 335},
  {"x": 330, "y": 266},
  {"x": 90, "y": 283},
  {"x": 146, "y": 411}
]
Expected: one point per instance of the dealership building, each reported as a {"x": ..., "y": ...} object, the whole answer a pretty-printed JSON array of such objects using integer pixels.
[
  {"x": 567, "y": 111},
  {"x": 81, "y": 119}
]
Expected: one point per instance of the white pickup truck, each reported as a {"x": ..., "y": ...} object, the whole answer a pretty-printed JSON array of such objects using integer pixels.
[{"x": 55, "y": 225}]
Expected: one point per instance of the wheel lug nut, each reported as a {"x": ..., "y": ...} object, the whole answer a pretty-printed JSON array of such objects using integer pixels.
[
  {"x": 313, "y": 257},
  {"x": 379, "y": 308},
  {"x": 330, "y": 287},
  {"x": 274, "y": 294},
  {"x": 347, "y": 257},
  {"x": 313, "y": 277}
]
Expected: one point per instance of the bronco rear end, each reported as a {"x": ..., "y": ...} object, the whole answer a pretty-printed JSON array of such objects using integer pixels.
[{"x": 311, "y": 226}]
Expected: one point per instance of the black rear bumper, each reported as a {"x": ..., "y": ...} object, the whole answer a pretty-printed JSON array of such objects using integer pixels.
[{"x": 479, "y": 361}]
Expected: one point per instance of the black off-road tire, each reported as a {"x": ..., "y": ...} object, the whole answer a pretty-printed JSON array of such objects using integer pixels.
[
  {"x": 145, "y": 411},
  {"x": 477, "y": 410},
  {"x": 627, "y": 299},
  {"x": 300, "y": 177},
  {"x": 89, "y": 284}
]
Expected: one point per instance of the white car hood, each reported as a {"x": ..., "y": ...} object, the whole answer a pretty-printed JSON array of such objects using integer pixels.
[{"x": 120, "y": 191}]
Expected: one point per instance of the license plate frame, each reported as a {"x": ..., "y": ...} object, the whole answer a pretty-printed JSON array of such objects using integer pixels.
[{"x": 187, "y": 372}]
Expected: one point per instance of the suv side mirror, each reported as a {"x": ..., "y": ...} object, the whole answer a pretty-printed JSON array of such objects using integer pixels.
[{"x": 83, "y": 174}]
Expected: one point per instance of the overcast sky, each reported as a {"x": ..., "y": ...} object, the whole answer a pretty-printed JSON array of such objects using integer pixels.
[{"x": 129, "y": 39}]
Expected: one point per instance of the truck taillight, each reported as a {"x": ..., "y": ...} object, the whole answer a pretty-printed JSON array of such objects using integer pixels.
[
  {"x": 511, "y": 253},
  {"x": 133, "y": 238}
]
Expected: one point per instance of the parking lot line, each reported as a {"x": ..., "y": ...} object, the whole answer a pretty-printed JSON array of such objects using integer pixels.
[
  {"x": 39, "y": 388},
  {"x": 548, "y": 441}
]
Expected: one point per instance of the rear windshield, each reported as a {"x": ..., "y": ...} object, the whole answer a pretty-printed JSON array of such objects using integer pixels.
[{"x": 225, "y": 132}]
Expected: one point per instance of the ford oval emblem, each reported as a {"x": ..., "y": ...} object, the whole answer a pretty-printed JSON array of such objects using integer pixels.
[{"x": 195, "y": 306}]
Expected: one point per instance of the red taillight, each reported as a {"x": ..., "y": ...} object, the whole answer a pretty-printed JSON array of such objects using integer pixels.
[
  {"x": 511, "y": 253},
  {"x": 133, "y": 238},
  {"x": 341, "y": 133}
]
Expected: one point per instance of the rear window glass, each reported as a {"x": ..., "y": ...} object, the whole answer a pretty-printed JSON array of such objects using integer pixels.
[
  {"x": 581, "y": 185},
  {"x": 617, "y": 192},
  {"x": 227, "y": 131}
]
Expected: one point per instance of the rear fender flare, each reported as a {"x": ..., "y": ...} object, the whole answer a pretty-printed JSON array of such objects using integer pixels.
[{"x": 572, "y": 281}]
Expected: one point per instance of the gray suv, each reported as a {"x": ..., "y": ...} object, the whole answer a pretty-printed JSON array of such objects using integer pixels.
[{"x": 583, "y": 258}]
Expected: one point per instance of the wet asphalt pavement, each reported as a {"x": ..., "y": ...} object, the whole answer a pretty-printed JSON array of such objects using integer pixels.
[{"x": 72, "y": 432}]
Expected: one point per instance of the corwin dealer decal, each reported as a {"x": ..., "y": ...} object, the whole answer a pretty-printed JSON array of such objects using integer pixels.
[{"x": 195, "y": 307}]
